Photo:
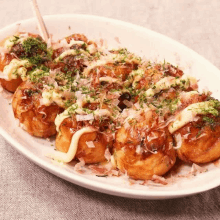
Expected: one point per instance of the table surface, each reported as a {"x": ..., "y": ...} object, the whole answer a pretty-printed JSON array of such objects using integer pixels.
[{"x": 29, "y": 192}]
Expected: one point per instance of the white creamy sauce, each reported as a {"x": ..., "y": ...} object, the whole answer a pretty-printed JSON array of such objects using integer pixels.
[
  {"x": 189, "y": 114},
  {"x": 16, "y": 68},
  {"x": 170, "y": 81},
  {"x": 71, "y": 52},
  {"x": 11, "y": 41},
  {"x": 77, "y": 108},
  {"x": 59, "y": 118},
  {"x": 105, "y": 59},
  {"x": 63, "y": 43},
  {"x": 186, "y": 96},
  {"x": 111, "y": 58},
  {"x": 66, "y": 114},
  {"x": 69, "y": 156},
  {"x": 48, "y": 97}
]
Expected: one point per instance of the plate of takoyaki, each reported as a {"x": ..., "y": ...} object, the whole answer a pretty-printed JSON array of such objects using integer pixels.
[{"x": 111, "y": 106}]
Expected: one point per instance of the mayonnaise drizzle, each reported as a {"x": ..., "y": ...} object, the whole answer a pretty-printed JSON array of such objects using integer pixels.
[
  {"x": 60, "y": 118},
  {"x": 185, "y": 81},
  {"x": 48, "y": 97},
  {"x": 189, "y": 114},
  {"x": 71, "y": 52},
  {"x": 63, "y": 43},
  {"x": 77, "y": 108},
  {"x": 16, "y": 68},
  {"x": 69, "y": 156},
  {"x": 11, "y": 41},
  {"x": 111, "y": 58}
]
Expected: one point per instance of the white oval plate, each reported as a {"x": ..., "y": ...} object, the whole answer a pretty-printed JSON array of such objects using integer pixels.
[{"x": 143, "y": 42}]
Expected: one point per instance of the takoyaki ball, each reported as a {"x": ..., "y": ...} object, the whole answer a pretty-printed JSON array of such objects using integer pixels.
[
  {"x": 118, "y": 71},
  {"x": 73, "y": 63},
  {"x": 76, "y": 37},
  {"x": 199, "y": 140},
  {"x": 32, "y": 48},
  {"x": 150, "y": 76},
  {"x": 36, "y": 119},
  {"x": 154, "y": 73},
  {"x": 142, "y": 153},
  {"x": 185, "y": 98},
  {"x": 157, "y": 157},
  {"x": 69, "y": 64},
  {"x": 9, "y": 85},
  {"x": 188, "y": 98},
  {"x": 5, "y": 60},
  {"x": 170, "y": 70},
  {"x": 90, "y": 46},
  {"x": 90, "y": 155}
]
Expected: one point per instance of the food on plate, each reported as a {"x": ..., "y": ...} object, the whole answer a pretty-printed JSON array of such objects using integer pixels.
[
  {"x": 109, "y": 108},
  {"x": 72, "y": 54},
  {"x": 142, "y": 149},
  {"x": 36, "y": 118},
  {"x": 199, "y": 135},
  {"x": 21, "y": 53},
  {"x": 90, "y": 147}
]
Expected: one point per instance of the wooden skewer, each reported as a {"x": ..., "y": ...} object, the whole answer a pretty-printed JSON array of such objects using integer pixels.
[{"x": 40, "y": 21}]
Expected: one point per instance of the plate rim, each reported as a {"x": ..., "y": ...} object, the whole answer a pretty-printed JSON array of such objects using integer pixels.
[{"x": 94, "y": 184}]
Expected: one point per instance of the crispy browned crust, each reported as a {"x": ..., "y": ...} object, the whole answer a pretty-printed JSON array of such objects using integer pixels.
[
  {"x": 37, "y": 120},
  {"x": 11, "y": 85},
  {"x": 143, "y": 165},
  {"x": 202, "y": 145},
  {"x": 90, "y": 155}
]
